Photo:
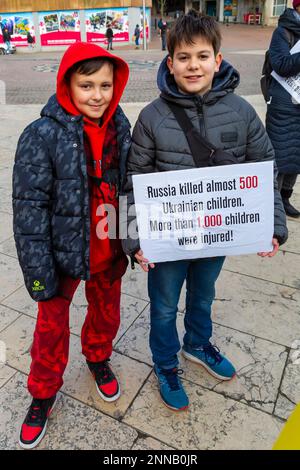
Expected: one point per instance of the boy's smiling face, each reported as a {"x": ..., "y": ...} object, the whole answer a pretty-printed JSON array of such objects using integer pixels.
[
  {"x": 194, "y": 66},
  {"x": 92, "y": 94}
]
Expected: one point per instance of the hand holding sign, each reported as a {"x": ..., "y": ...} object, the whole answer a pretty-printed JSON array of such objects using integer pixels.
[
  {"x": 143, "y": 262},
  {"x": 272, "y": 253}
]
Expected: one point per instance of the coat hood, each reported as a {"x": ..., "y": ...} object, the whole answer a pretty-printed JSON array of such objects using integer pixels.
[
  {"x": 225, "y": 81},
  {"x": 83, "y": 51},
  {"x": 290, "y": 21}
]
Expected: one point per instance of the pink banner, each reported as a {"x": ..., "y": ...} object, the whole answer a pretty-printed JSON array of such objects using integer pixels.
[
  {"x": 60, "y": 38},
  {"x": 98, "y": 37}
]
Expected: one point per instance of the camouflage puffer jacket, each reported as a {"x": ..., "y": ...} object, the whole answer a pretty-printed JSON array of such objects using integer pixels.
[{"x": 51, "y": 198}]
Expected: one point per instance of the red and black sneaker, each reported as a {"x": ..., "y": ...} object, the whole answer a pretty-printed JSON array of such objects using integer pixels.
[
  {"x": 106, "y": 382},
  {"x": 35, "y": 424}
]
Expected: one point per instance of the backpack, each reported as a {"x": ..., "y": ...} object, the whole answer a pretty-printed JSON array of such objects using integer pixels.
[{"x": 266, "y": 77}]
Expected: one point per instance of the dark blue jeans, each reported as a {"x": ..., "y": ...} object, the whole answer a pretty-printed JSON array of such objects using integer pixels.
[{"x": 164, "y": 285}]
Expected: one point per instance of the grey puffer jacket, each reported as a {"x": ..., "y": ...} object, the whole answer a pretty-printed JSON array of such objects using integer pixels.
[{"x": 225, "y": 119}]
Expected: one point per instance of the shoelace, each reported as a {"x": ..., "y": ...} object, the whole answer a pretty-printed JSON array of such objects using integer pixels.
[
  {"x": 171, "y": 376},
  {"x": 103, "y": 371},
  {"x": 211, "y": 352},
  {"x": 35, "y": 412}
]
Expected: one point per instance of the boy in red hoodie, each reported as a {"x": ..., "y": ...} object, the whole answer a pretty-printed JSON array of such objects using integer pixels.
[{"x": 69, "y": 166}]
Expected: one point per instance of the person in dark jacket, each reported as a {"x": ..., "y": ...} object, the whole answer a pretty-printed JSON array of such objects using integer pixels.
[
  {"x": 30, "y": 40},
  {"x": 7, "y": 40},
  {"x": 68, "y": 168},
  {"x": 109, "y": 35},
  {"x": 137, "y": 34},
  {"x": 283, "y": 112},
  {"x": 195, "y": 78},
  {"x": 163, "y": 26}
]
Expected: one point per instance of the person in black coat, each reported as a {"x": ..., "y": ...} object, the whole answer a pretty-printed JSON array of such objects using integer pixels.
[
  {"x": 109, "y": 35},
  {"x": 30, "y": 40},
  {"x": 7, "y": 39},
  {"x": 283, "y": 113}
]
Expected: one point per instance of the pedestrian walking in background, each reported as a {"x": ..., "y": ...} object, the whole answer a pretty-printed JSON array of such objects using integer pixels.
[
  {"x": 137, "y": 35},
  {"x": 7, "y": 39},
  {"x": 109, "y": 35},
  {"x": 163, "y": 26},
  {"x": 30, "y": 40},
  {"x": 283, "y": 112}
]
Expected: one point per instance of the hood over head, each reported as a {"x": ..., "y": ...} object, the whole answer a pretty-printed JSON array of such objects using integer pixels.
[
  {"x": 290, "y": 20},
  {"x": 83, "y": 51}
]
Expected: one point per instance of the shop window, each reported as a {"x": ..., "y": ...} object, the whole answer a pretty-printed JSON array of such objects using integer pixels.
[{"x": 278, "y": 7}]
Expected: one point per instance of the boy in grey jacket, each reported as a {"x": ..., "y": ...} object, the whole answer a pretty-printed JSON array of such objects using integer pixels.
[{"x": 195, "y": 77}]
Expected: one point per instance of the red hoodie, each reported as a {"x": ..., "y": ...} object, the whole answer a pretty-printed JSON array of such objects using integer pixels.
[{"x": 102, "y": 252}]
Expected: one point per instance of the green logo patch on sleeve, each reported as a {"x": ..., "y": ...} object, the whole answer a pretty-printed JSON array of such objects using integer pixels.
[{"x": 38, "y": 286}]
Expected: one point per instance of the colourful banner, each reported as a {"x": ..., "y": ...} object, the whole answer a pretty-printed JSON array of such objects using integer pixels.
[
  {"x": 59, "y": 28},
  {"x": 18, "y": 25},
  {"x": 97, "y": 21},
  {"x": 227, "y": 7},
  {"x": 230, "y": 7}
]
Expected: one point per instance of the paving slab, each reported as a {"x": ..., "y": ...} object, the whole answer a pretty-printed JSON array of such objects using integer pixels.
[
  {"x": 6, "y": 205},
  {"x": 7, "y": 316},
  {"x": 257, "y": 307},
  {"x": 211, "y": 422},
  {"x": 18, "y": 339},
  {"x": 150, "y": 444},
  {"x": 290, "y": 387},
  {"x": 282, "y": 269},
  {"x": 6, "y": 373},
  {"x": 292, "y": 244},
  {"x": 6, "y": 224},
  {"x": 8, "y": 248},
  {"x": 11, "y": 276},
  {"x": 284, "y": 407},
  {"x": 21, "y": 301}
]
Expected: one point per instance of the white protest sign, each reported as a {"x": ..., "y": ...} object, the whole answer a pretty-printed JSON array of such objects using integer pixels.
[
  {"x": 290, "y": 84},
  {"x": 204, "y": 212}
]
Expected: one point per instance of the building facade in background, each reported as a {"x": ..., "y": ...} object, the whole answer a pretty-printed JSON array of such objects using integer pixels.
[
  {"x": 87, "y": 20},
  {"x": 80, "y": 20},
  {"x": 240, "y": 11}
]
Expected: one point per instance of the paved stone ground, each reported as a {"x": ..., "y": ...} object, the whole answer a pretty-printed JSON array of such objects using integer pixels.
[{"x": 256, "y": 321}]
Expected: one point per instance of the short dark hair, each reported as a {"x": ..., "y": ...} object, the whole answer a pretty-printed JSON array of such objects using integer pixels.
[
  {"x": 87, "y": 67},
  {"x": 186, "y": 27}
]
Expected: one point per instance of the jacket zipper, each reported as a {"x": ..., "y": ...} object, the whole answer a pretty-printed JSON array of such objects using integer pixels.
[
  {"x": 82, "y": 211},
  {"x": 200, "y": 116}
]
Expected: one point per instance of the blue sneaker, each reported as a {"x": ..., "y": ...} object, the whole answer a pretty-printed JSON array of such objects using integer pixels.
[
  {"x": 211, "y": 359},
  {"x": 171, "y": 389}
]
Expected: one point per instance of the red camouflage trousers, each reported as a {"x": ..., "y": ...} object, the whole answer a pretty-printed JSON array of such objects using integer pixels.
[{"x": 50, "y": 348}]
